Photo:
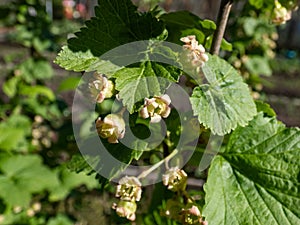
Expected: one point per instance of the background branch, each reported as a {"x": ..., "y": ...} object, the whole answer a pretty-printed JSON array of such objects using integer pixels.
[{"x": 223, "y": 15}]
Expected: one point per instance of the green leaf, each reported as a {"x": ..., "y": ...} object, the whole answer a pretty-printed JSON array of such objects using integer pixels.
[
  {"x": 135, "y": 84},
  {"x": 256, "y": 179},
  {"x": 76, "y": 61},
  {"x": 265, "y": 108},
  {"x": 250, "y": 24},
  {"x": 84, "y": 61},
  {"x": 117, "y": 22},
  {"x": 70, "y": 180},
  {"x": 10, "y": 86},
  {"x": 69, "y": 84},
  {"x": 225, "y": 101},
  {"x": 79, "y": 164},
  {"x": 32, "y": 69},
  {"x": 183, "y": 23},
  {"x": 257, "y": 3},
  {"x": 60, "y": 219},
  {"x": 97, "y": 156},
  {"x": 25, "y": 175},
  {"x": 13, "y": 132},
  {"x": 258, "y": 65},
  {"x": 34, "y": 91}
]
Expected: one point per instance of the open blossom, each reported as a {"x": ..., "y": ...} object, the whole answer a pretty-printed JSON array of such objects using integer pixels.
[
  {"x": 129, "y": 189},
  {"x": 101, "y": 87},
  {"x": 175, "y": 179},
  {"x": 112, "y": 127},
  {"x": 156, "y": 108},
  {"x": 125, "y": 209},
  {"x": 197, "y": 51},
  {"x": 280, "y": 14}
]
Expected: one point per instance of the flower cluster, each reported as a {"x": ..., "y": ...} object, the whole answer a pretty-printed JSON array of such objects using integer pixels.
[
  {"x": 191, "y": 215},
  {"x": 175, "y": 179},
  {"x": 197, "y": 51},
  {"x": 280, "y": 14},
  {"x": 100, "y": 87},
  {"x": 156, "y": 108},
  {"x": 129, "y": 191},
  {"x": 188, "y": 214},
  {"x": 112, "y": 127}
]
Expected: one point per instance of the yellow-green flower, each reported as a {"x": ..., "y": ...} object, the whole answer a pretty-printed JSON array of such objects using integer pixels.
[
  {"x": 280, "y": 14},
  {"x": 175, "y": 179},
  {"x": 101, "y": 87},
  {"x": 125, "y": 209},
  {"x": 112, "y": 127},
  {"x": 156, "y": 108},
  {"x": 129, "y": 189},
  {"x": 196, "y": 51}
]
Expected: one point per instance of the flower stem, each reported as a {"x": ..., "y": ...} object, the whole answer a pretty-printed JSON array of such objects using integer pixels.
[
  {"x": 221, "y": 26},
  {"x": 155, "y": 166}
]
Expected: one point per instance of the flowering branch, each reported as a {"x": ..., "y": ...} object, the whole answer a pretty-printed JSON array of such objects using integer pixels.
[{"x": 155, "y": 166}]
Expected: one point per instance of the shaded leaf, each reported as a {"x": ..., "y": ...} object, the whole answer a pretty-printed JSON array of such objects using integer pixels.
[{"x": 117, "y": 22}]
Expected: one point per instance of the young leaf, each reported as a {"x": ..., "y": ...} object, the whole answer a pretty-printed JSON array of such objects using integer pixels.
[
  {"x": 83, "y": 61},
  {"x": 117, "y": 22},
  {"x": 256, "y": 179},
  {"x": 225, "y": 101},
  {"x": 76, "y": 61}
]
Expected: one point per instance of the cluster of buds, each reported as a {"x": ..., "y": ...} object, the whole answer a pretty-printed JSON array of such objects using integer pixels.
[
  {"x": 42, "y": 135},
  {"x": 129, "y": 191},
  {"x": 280, "y": 14},
  {"x": 100, "y": 88},
  {"x": 35, "y": 208},
  {"x": 175, "y": 179},
  {"x": 156, "y": 108},
  {"x": 112, "y": 127},
  {"x": 31, "y": 211},
  {"x": 196, "y": 51}
]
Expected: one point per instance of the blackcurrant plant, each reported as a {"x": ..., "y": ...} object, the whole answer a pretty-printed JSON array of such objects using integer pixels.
[{"x": 136, "y": 64}]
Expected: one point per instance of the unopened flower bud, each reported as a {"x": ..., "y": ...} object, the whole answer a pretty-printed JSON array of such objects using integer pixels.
[
  {"x": 175, "y": 179},
  {"x": 2, "y": 218},
  {"x": 129, "y": 189},
  {"x": 17, "y": 209},
  {"x": 156, "y": 108},
  {"x": 112, "y": 127},
  {"x": 101, "y": 88},
  {"x": 30, "y": 212},
  {"x": 37, "y": 206},
  {"x": 125, "y": 209}
]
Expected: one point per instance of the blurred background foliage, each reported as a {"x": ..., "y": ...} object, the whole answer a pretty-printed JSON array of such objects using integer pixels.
[{"x": 36, "y": 139}]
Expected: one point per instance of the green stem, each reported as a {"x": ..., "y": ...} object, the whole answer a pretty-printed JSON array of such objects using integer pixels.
[{"x": 155, "y": 166}]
